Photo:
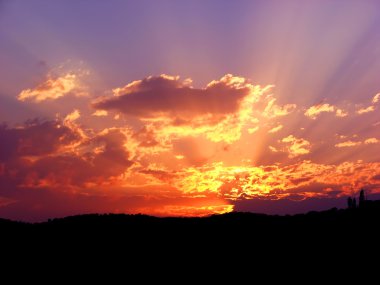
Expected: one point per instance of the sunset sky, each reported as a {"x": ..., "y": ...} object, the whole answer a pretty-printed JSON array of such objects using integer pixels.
[{"x": 188, "y": 107}]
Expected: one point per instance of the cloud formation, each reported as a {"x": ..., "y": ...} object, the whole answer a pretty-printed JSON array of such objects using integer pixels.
[
  {"x": 371, "y": 108},
  {"x": 168, "y": 95},
  {"x": 50, "y": 153},
  {"x": 365, "y": 110},
  {"x": 299, "y": 181},
  {"x": 273, "y": 111},
  {"x": 376, "y": 98},
  {"x": 171, "y": 108},
  {"x": 350, "y": 143},
  {"x": 296, "y": 146},
  {"x": 276, "y": 129},
  {"x": 54, "y": 87},
  {"x": 314, "y": 111},
  {"x": 161, "y": 146}
]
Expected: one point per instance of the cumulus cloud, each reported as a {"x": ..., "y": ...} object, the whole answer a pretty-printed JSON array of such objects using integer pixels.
[
  {"x": 165, "y": 138},
  {"x": 371, "y": 141},
  {"x": 74, "y": 115},
  {"x": 292, "y": 145},
  {"x": 376, "y": 98},
  {"x": 53, "y": 154},
  {"x": 371, "y": 108},
  {"x": 348, "y": 144},
  {"x": 172, "y": 108},
  {"x": 276, "y": 129},
  {"x": 157, "y": 95},
  {"x": 296, "y": 146},
  {"x": 341, "y": 113},
  {"x": 54, "y": 87},
  {"x": 362, "y": 111},
  {"x": 253, "y": 130},
  {"x": 304, "y": 179},
  {"x": 273, "y": 111},
  {"x": 100, "y": 113},
  {"x": 314, "y": 111},
  {"x": 34, "y": 138},
  {"x": 273, "y": 149}
]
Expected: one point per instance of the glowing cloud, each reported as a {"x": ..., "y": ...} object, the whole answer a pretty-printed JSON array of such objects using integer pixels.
[
  {"x": 171, "y": 108},
  {"x": 253, "y": 130},
  {"x": 100, "y": 113},
  {"x": 170, "y": 145},
  {"x": 348, "y": 144},
  {"x": 314, "y": 111},
  {"x": 341, "y": 113},
  {"x": 371, "y": 141},
  {"x": 276, "y": 129},
  {"x": 304, "y": 179},
  {"x": 365, "y": 110},
  {"x": 74, "y": 115},
  {"x": 296, "y": 146},
  {"x": 53, "y": 88},
  {"x": 273, "y": 111},
  {"x": 376, "y": 98}
]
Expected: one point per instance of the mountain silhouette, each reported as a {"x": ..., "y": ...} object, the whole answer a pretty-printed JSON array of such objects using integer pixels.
[{"x": 350, "y": 221}]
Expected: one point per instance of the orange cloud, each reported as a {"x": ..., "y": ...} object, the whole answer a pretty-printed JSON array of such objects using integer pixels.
[
  {"x": 357, "y": 143},
  {"x": 172, "y": 109},
  {"x": 74, "y": 115},
  {"x": 376, "y": 98},
  {"x": 273, "y": 111},
  {"x": 365, "y": 110},
  {"x": 304, "y": 179},
  {"x": 100, "y": 113},
  {"x": 54, "y": 87},
  {"x": 273, "y": 149},
  {"x": 296, "y": 146},
  {"x": 371, "y": 141},
  {"x": 348, "y": 144},
  {"x": 314, "y": 111},
  {"x": 183, "y": 150},
  {"x": 253, "y": 130},
  {"x": 370, "y": 108},
  {"x": 276, "y": 129},
  {"x": 341, "y": 113}
]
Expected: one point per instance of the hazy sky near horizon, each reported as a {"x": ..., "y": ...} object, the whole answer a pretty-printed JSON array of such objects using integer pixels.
[{"x": 187, "y": 107}]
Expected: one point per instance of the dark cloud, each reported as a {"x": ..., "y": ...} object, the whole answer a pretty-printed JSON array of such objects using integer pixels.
[
  {"x": 34, "y": 138},
  {"x": 163, "y": 94},
  {"x": 31, "y": 156}
]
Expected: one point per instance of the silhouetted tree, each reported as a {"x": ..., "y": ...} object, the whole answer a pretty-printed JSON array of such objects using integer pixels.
[
  {"x": 362, "y": 198},
  {"x": 354, "y": 203},
  {"x": 349, "y": 203}
]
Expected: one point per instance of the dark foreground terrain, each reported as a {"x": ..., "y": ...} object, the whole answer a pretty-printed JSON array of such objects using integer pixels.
[
  {"x": 237, "y": 227},
  {"x": 327, "y": 238}
]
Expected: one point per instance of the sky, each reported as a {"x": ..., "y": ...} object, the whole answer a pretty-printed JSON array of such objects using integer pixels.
[{"x": 187, "y": 108}]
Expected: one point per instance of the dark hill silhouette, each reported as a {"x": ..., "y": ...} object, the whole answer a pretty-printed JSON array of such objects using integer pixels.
[
  {"x": 351, "y": 221},
  {"x": 149, "y": 242}
]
